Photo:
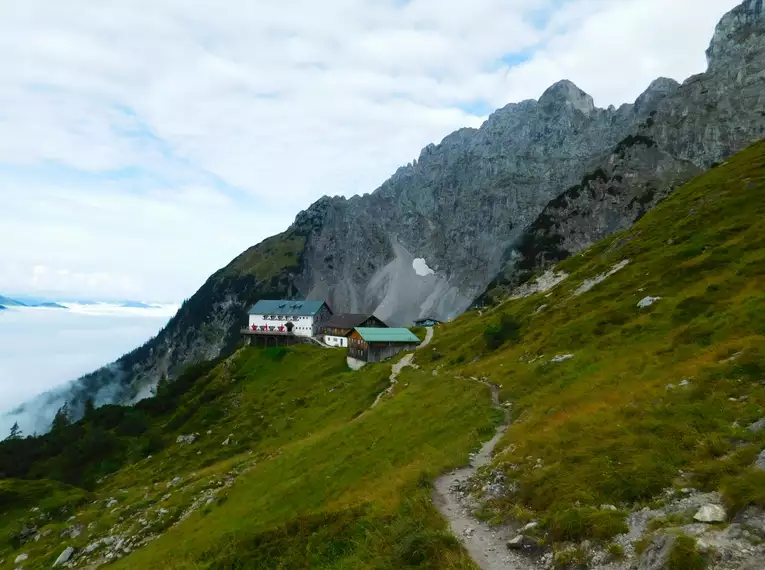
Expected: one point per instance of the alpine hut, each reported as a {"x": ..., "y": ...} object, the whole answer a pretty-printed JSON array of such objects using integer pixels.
[{"x": 376, "y": 344}]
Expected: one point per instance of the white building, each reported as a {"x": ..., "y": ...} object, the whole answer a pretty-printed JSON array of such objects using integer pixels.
[
  {"x": 338, "y": 327},
  {"x": 299, "y": 318}
]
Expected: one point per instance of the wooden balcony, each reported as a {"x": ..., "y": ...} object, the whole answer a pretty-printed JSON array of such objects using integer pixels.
[{"x": 258, "y": 332}]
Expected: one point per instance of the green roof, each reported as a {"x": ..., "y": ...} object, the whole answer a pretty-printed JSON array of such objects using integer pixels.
[
  {"x": 387, "y": 335},
  {"x": 286, "y": 308}
]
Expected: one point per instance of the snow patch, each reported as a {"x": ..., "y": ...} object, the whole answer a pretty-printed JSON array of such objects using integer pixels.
[
  {"x": 421, "y": 268},
  {"x": 590, "y": 283},
  {"x": 647, "y": 302},
  {"x": 543, "y": 283},
  {"x": 562, "y": 358}
]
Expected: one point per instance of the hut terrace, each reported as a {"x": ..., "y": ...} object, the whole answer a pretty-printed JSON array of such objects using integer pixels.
[{"x": 275, "y": 318}]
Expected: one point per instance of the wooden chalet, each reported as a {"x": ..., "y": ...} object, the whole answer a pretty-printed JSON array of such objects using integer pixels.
[
  {"x": 376, "y": 344},
  {"x": 339, "y": 327}
]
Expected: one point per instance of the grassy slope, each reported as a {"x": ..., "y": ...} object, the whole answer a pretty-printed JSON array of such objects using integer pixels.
[
  {"x": 323, "y": 489},
  {"x": 605, "y": 424},
  {"x": 327, "y": 490},
  {"x": 348, "y": 490}
]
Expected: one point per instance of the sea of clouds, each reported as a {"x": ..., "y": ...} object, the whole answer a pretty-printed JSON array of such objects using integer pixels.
[{"x": 42, "y": 350}]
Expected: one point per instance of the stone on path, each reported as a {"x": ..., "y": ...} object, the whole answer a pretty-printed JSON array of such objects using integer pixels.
[{"x": 711, "y": 514}]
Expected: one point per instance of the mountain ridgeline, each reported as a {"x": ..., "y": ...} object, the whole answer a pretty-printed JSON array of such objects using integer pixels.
[{"x": 485, "y": 208}]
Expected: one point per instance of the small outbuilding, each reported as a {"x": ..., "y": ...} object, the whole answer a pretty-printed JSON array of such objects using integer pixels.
[
  {"x": 427, "y": 322},
  {"x": 376, "y": 344},
  {"x": 339, "y": 327}
]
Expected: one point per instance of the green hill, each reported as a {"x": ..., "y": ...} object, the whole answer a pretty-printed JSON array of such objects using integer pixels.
[{"x": 612, "y": 404}]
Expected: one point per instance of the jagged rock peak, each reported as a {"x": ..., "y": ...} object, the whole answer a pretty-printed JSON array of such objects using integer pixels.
[
  {"x": 656, "y": 91},
  {"x": 565, "y": 94},
  {"x": 735, "y": 29}
]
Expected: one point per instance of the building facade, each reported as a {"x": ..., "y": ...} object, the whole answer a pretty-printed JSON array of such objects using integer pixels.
[
  {"x": 377, "y": 344},
  {"x": 289, "y": 318},
  {"x": 338, "y": 328},
  {"x": 427, "y": 322}
]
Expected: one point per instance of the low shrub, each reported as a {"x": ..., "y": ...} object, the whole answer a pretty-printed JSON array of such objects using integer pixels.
[
  {"x": 507, "y": 329},
  {"x": 586, "y": 523},
  {"x": 685, "y": 555}
]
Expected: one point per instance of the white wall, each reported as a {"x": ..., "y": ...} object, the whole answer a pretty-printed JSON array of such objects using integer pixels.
[
  {"x": 304, "y": 326},
  {"x": 336, "y": 340}
]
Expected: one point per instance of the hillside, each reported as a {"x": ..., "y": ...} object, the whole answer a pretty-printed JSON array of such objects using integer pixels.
[
  {"x": 485, "y": 208},
  {"x": 635, "y": 386}
]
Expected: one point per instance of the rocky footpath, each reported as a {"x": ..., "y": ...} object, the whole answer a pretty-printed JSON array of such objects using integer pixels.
[
  {"x": 725, "y": 540},
  {"x": 653, "y": 531}
]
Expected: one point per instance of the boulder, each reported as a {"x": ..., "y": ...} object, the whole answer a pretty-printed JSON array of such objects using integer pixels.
[
  {"x": 21, "y": 558},
  {"x": 525, "y": 543},
  {"x": 757, "y": 426},
  {"x": 760, "y": 461},
  {"x": 711, "y": 514},
  {"x": 186, "y": 439},
  {"x": 93, "y": 546},
  {"x": 64, "y": 557}
]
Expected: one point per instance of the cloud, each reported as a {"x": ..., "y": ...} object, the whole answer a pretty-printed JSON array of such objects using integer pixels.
[{"x": 148, "y": 142}]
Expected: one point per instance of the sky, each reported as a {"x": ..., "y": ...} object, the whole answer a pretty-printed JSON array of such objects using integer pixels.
[{"x": 145, "y": 143}]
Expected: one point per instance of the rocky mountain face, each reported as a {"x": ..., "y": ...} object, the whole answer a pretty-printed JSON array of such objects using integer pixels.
[
  {"x": 695, "y": 127},
  {"x": 538, "y": 181}
]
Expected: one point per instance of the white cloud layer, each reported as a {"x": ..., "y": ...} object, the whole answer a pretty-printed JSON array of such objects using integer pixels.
[{"x": 144, "y": 143}]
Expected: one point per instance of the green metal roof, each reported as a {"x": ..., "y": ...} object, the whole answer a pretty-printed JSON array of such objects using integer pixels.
[
  {"x": 286, "y": 308},
  {"x": 387, "y": 335}
]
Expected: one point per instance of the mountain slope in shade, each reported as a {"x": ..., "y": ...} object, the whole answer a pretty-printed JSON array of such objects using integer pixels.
[{"x": 537, "y": 182}]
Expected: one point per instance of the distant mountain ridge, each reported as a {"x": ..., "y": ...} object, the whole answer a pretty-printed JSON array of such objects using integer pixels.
[
  {"x": 485, "y": 208},
  {"x": 7, "y": 302}
]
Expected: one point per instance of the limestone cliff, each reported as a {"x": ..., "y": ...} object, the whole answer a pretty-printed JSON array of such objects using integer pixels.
[{"x": 696, "y": 126}]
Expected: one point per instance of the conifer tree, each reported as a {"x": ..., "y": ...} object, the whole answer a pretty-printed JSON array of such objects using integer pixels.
[
  {"x": 15, "y": 432},
  {"x": 90, "y": 409},
  {"x": 62, "y": 418}
]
